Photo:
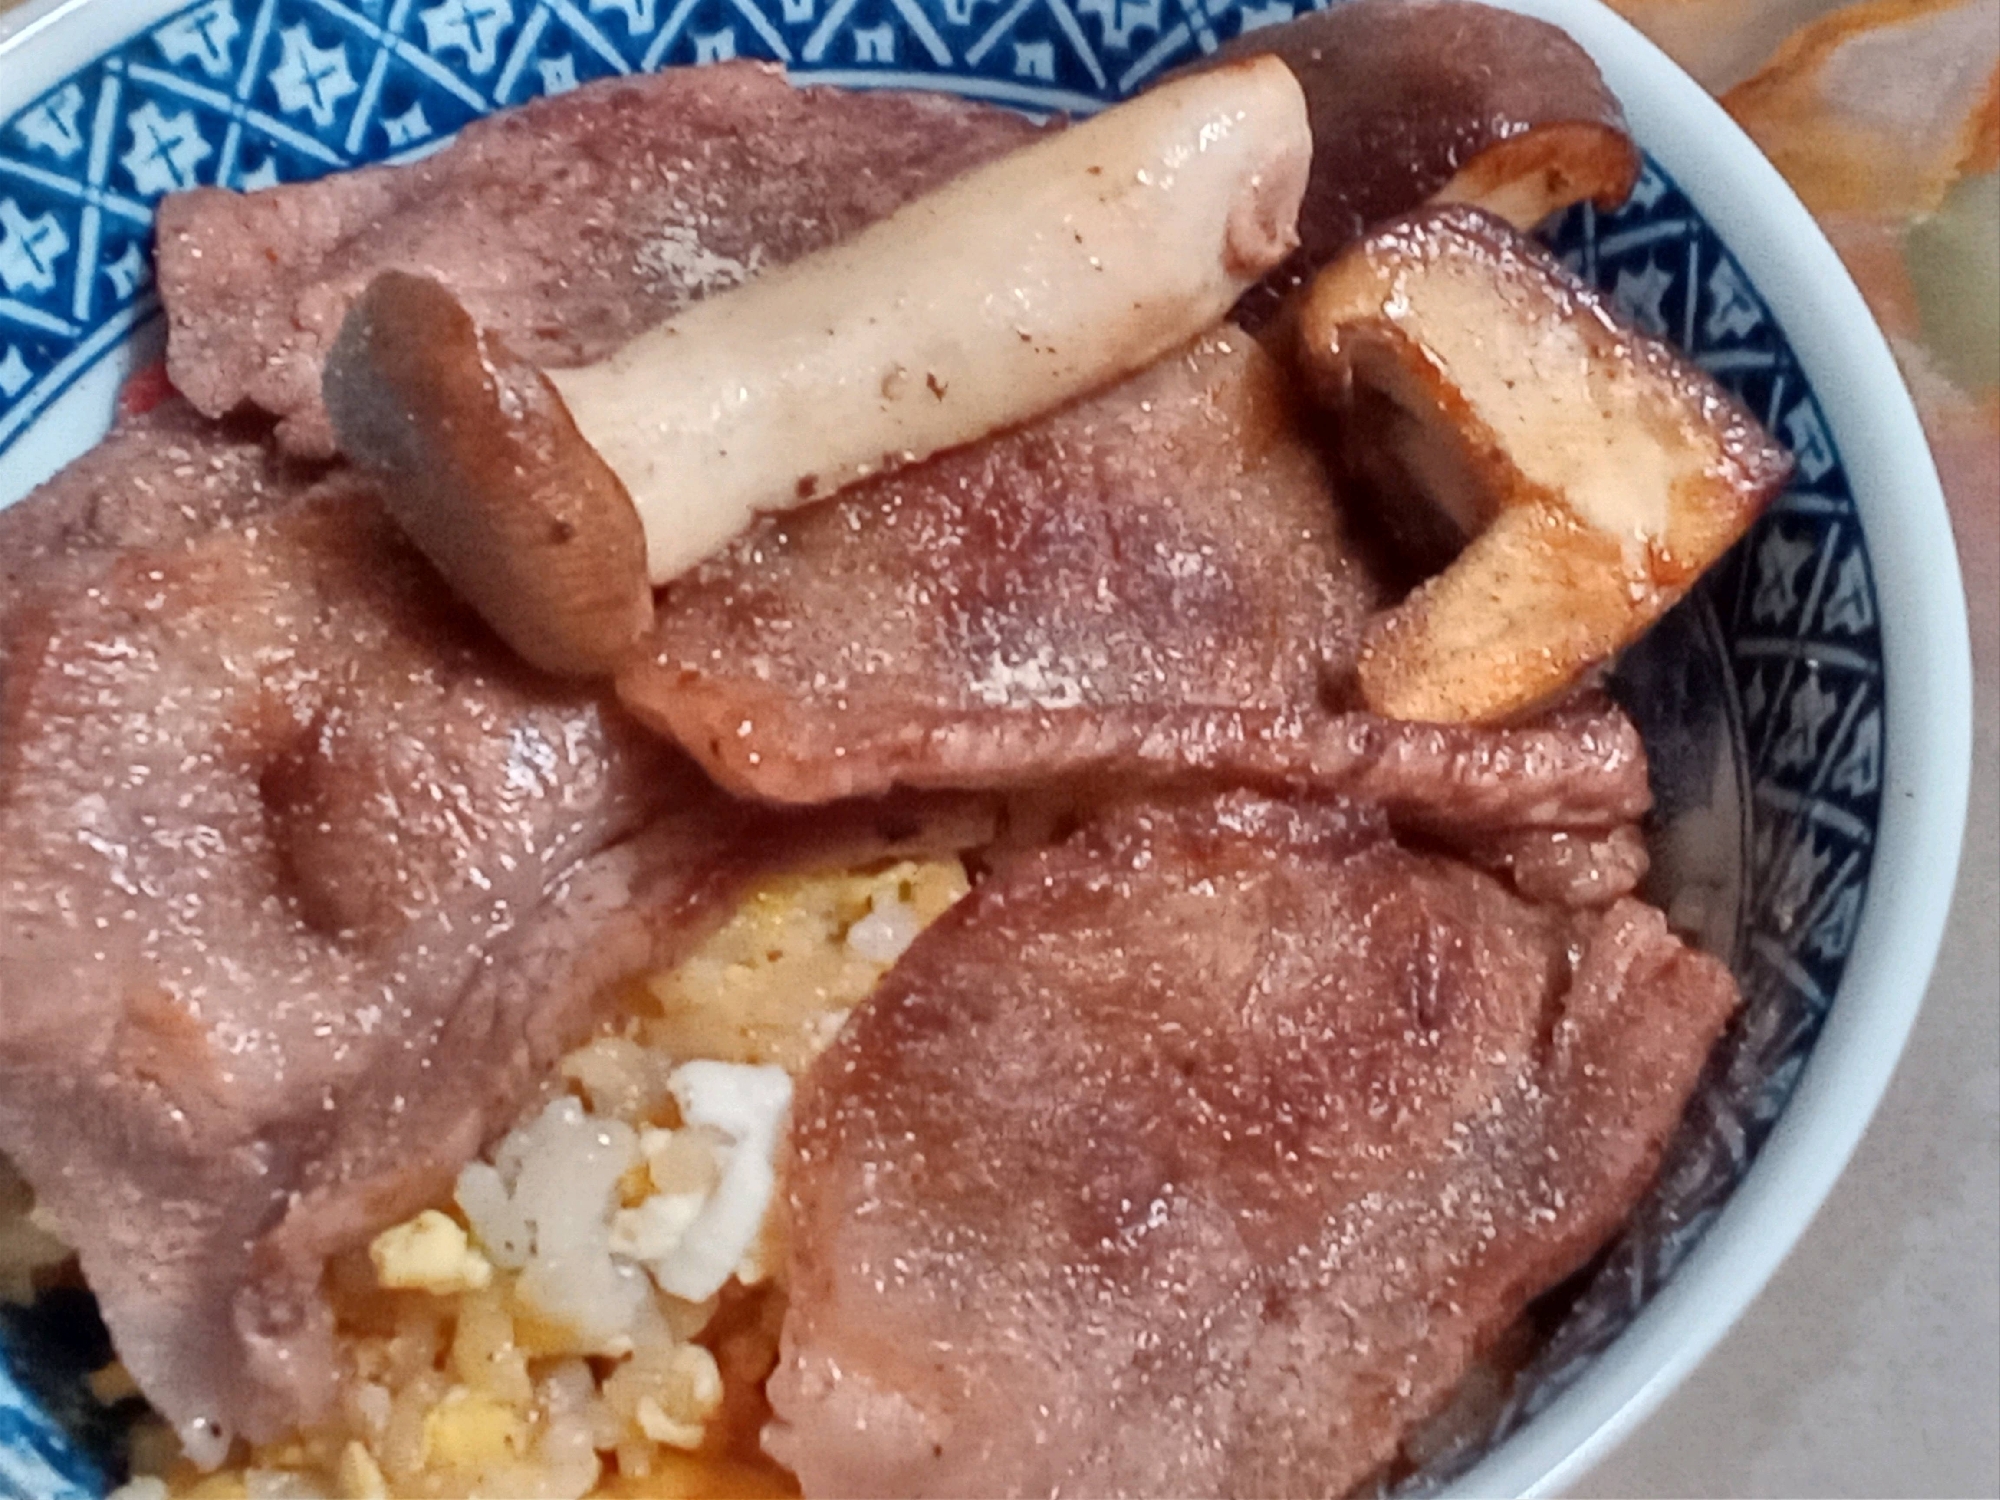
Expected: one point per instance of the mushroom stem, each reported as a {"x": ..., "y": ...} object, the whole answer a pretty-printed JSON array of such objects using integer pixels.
[
  {"x": 1040, "y": 277},
  {"x": 1545, "y": 169},
  {"x": 548, "y": 499},
  {"x": 1595, "y": 472}
]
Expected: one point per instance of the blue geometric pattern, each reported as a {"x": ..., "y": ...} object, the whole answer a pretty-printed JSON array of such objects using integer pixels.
[
  {"x": 1794, "y": 606},
  {"x": 1761, "y": 698},
  {"x": 1776, "y": 663},
  {"x": 47, "y": 1436}
]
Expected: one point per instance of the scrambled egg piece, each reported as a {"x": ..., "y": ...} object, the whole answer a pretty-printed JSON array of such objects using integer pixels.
[
  {"x": 463, "y": 1383},
  {"x": 776, "y": 982},
  {"x": 429, "y": 1253},
  {"x": 471, "y": 1431}
]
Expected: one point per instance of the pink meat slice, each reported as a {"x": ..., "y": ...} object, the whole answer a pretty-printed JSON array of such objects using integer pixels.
[
  {"x": 1565, "y": 866},
  {"x": 1150, "y": 584},
  {"x": 158, "y": 478},
  {"x": 1202, "y": 1154},
  {"x": 266, "y": 803},
  {"x": 566, "y": 226},
  {"x": 304, "y": 886}
]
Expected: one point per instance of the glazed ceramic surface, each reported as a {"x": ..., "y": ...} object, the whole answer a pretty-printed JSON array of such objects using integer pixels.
[{"x": 1805, "y": 710}]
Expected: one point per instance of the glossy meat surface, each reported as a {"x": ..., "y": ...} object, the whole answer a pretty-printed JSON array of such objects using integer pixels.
[
  {"x": 1406, "y": 94},
  {"x": 566, "y": 226},
  {"x": 269, "y": 807},
  {"x": 158, "y": 478},
  {"x": 1202, "y": 1154},
  {"x": 1150, "y": 584},
  {"x": 1169, "y": 544}
]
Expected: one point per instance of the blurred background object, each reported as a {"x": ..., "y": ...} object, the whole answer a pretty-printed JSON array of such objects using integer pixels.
[{"x": 1885, "y": 117}]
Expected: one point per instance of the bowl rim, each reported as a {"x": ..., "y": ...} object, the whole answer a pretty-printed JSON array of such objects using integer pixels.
[
  {"x": 1927, "y": 693},
  {"x": 1926, "y": 685}
]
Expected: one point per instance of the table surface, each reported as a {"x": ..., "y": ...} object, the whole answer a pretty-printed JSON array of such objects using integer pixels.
[{"x": 1871, "y": 1364}]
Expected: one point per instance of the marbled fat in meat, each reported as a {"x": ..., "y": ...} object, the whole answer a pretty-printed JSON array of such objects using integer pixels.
[
  {"x": 566, "y": 226},
  {"x": 1202, "y": 1155}
]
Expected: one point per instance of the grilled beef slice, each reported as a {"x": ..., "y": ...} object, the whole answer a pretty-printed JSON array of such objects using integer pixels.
[
  {"x": 269, "y": 802},
  {"x": 1203, "y": 1154},
  {"x": 1149, "y": 585},
  {"x": 305, "y": 884}
]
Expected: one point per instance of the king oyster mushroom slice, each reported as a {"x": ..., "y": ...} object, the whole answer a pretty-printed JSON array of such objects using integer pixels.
[
  {"x": 1591, "y": 471},
  {"x": 550, "y": 499},
  {"x": 1443, "y": 101}
]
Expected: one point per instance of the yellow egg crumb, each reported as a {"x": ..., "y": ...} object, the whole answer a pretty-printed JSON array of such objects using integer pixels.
[
  {"x": 429, "y": 1253},
  {"x": 469, "y": 1431},
  {"x": 223, "y": 1486},
  {"x": 542, "y": 1336},
  {"x": 359, "y": 1476},
  {"x": 775, "y": 982}
]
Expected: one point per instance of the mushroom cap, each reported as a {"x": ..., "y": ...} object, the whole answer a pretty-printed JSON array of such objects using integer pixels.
[
  {"x": 1591, "y": 472},
  {"x": 482, "y": 466},
  {"x": 1404, "y": 99},
  {"x": 1546, "y": 168}
]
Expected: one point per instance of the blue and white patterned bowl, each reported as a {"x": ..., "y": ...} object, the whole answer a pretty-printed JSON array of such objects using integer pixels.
[{"x": 1808, "y": 711}]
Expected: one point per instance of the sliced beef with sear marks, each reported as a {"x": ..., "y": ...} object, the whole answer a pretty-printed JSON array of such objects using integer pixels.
[
  {"x": 267, "y": 800},
  {"x": 1203, "y": 1154},
  {"x": 305, "y": 885},
  {"x": 1151, "y": 584}
]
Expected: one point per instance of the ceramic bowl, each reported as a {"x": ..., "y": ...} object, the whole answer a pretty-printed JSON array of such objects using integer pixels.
[{"x": 1807, "y": 711}]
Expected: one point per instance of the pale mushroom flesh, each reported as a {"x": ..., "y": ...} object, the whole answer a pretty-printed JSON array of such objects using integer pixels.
[{"x": 1590, "y": 472}]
